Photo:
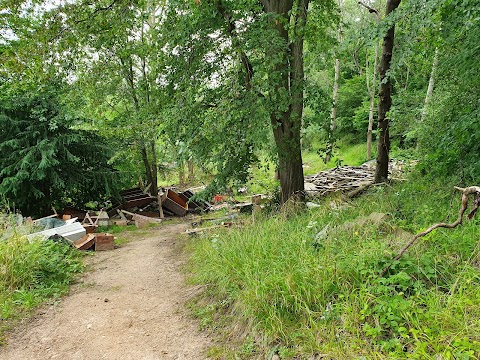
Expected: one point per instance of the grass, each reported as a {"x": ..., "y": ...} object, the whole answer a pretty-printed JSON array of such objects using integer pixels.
[
  {"x": 31, "y": 273},
  {"x": 346, "y": 154},
  {"x": 285, "y": 285}
]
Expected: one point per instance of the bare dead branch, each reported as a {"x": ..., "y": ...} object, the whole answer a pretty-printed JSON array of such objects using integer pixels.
[{"x": 465, "y": 194}]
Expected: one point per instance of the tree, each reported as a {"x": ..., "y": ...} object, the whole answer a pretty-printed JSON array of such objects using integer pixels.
[
  {"x": 44, "y": 161},
  {"x": 333, "y": 114},
  {"x": 247, "y": 56},
  {"x": 286, "y": 119},
  {"x": 385, "y": 98}
]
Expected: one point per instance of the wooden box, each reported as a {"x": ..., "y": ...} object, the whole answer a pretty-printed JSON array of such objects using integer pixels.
[{"x": 104, "y": 242}]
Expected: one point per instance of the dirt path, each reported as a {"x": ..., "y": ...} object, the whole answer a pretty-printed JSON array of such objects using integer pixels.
[{"x": 128, "y": 306}]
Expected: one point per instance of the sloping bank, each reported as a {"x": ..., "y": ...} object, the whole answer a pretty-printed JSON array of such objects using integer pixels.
[{"x": 306, "y": 286}]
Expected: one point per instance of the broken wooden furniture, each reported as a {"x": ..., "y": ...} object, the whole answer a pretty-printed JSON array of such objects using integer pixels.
[{"x": 174, "y": 203}]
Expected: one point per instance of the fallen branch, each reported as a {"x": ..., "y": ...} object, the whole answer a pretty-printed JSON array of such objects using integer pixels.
[{"x": 465, "y": 194}]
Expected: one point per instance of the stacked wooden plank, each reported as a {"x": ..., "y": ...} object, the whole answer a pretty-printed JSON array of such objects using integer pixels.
[{"x": 340, "y": 179}]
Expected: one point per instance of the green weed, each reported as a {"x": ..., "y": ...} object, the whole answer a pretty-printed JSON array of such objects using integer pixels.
[{"x": 31, "y": 272}]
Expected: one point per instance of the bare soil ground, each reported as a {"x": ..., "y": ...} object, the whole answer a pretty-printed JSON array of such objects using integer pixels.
[{"x": 129, "y": 305}]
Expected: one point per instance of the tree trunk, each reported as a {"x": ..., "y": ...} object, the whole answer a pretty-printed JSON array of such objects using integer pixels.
[
  {"x": 333, "y": 115},
  {"x": 385, "y": 100},
  {"x": 146, "y": 163},
  {"x": 372, "y": 92},
  {"x": 154, "y": 188},
  {"x": 431, "y": 84},
  {"x": 286, "y": 124},
  {"x": 181, "y": 173},
  {"x": 191, "y": 171}
]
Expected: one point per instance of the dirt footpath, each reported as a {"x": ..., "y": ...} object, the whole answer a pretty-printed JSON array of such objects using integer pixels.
[{"x": 129, "y": 305}]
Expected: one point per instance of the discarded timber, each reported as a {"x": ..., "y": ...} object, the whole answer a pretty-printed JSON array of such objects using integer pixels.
[
  {"x": 86, "y": 242},
  {"x": 172, "y": 201},
  {"x": 141, "y": 220},
  {"x": 197, "y": 230},
  {"x": 46, "y": 217}
]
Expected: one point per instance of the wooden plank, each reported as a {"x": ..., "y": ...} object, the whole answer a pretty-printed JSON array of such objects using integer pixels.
[{"x": 85, "y": 242}]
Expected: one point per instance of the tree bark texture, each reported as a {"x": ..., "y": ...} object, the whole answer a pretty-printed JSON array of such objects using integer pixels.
[
  {"x": 286, "y": 124},
  {"x": 385, "y": 100}
]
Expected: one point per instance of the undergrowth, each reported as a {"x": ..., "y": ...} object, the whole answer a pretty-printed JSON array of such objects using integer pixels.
[
  {"x": 310, "y": 285},
  {"x": 32, "y": 272}
]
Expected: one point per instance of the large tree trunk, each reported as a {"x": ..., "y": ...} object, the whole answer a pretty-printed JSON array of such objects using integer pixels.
[
  {"x": 286, "y": 124},
  {"x": 383, "y": 147}
]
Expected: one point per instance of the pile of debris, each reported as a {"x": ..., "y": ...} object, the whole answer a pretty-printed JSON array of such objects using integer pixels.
[
  {"x": 78, "y": 227},
  {"x": 340, "y": 179},
  {"x": 349, "y": 179}
]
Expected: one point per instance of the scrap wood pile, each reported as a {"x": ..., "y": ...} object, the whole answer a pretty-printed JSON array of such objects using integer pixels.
[
  {"x": 346, "y": 179},
  {"x": 343, "y": 179}
]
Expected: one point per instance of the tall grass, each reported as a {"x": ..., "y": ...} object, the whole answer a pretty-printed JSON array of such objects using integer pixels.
[
  {"x": 297, "y": 291},
  {"x": 31, "y": 272}
]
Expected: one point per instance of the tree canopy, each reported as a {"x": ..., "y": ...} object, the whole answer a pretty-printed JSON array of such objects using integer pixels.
[{"x": 226, "y": 83}]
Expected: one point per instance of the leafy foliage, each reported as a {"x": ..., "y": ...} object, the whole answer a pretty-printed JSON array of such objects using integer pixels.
[
  {"x": 450, "y": 138},
  {"x": 45, "y": 161}
]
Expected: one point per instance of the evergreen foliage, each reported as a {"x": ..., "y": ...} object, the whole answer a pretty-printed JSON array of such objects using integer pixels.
[{"x": 44, "y": 160}]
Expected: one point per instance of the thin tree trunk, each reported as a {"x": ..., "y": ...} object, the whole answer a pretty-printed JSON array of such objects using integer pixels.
[
  {"x": 385, "y": 100},
  {"x": 129, "y": 77},
  {"x": 372, "y": 92},
  {"x": 191, "y": 171},
  {"x": 154, "y": 188},
  {"x": 146, "y": 163},
  {"x": 181, "y": 173},
  {"x": 333, "y": 114},
  {"x": 431, "y": 84}
]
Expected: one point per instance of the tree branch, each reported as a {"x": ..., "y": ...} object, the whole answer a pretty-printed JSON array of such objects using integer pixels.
[
  {"x": 231, "y": 32},
  {"x": 465, "y": 194},
  {"x": 371, "y": 10},
  {"x": 97, "y": 10}
]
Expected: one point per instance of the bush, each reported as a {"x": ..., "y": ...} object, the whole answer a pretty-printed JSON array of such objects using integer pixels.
[{"x": 31, "y": 272}]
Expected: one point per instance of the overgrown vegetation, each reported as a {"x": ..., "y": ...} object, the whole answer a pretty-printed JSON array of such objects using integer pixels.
[
  {"x": 32, "y": 272},
  {"x": 300, "y": 289}
]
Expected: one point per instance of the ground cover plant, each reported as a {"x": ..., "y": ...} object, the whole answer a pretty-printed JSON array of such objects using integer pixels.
[
  {"x": 310, "y": 285},
  {"x": 31, "y": 273}
]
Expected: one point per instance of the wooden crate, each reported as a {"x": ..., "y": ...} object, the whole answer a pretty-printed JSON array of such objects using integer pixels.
[{"x": 104, "y": 242}]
